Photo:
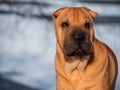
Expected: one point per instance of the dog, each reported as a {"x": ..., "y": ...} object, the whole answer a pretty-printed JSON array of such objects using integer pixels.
[{"x": 82, "y": 62}]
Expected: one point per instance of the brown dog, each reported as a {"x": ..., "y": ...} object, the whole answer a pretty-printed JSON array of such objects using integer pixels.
[{"x": 82, "y": 61}]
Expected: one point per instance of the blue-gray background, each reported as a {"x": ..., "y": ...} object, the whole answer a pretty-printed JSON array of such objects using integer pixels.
[{"x": 27, "y": 38}]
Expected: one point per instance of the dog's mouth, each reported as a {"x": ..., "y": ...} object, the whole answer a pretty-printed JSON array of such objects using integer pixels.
[
  {"x": 83, "y": 49},
  {"x": 75, "y": 53}
]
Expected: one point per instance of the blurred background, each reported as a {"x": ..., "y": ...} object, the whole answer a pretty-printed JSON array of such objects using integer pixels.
[{"x": 27, "y": 39}]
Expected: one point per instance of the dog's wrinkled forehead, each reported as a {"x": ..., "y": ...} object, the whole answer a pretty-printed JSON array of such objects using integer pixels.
[
  {"x": 74, "y": 13},
  {"x": 71, "y": 14}
]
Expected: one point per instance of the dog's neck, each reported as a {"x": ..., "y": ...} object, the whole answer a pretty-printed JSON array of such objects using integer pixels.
[
  {"x": 78, "y": 63},
  {"x": 71, "y": 63}
]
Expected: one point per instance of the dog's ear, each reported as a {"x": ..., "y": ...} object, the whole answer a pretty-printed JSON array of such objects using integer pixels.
[
  {"x": 57, "y": 12},
  {"x": 92, "y": 13}
]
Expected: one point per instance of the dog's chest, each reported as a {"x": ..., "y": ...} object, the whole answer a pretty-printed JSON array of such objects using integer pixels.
[
  {"x": 92, "y": 78},
  {"x": 83, "y": 81},
  {"x": 75, "y": 71},
  {"x": 76, "y": 66},
  {"x": 75, "y": 77}
]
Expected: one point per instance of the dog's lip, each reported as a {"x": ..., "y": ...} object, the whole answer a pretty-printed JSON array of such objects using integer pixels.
[
  {"x": 75, "y": 52},
  {"x": 79, "y": 51}
]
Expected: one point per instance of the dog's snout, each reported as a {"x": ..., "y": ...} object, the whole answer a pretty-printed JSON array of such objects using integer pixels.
[{"x": 79, "y": 36}]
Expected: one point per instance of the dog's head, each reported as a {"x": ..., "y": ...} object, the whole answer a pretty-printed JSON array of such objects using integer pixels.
[{"x": 74, "y": 30}]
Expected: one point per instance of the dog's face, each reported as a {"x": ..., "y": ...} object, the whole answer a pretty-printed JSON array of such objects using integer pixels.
[{"x": 74, "y": 30}]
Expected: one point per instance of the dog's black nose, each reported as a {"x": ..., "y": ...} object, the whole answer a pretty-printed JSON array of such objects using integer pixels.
[{"x": 79, "y": 36}]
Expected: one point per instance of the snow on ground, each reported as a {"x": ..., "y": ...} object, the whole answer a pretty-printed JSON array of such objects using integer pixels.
[{"x": 27, "y": 45}]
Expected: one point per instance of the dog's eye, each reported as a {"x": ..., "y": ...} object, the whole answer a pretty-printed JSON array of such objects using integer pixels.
[
  {"x": 64, "y": 24},
  {"x": 87, "y": 25}
]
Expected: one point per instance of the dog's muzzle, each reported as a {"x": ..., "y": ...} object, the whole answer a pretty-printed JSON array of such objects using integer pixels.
[{"x": 77, "y": 44}]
